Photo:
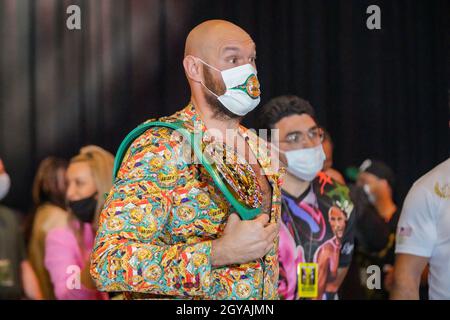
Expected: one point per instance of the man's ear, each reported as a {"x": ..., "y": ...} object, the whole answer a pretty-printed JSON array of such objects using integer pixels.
[{"x": 193, "y": 68}]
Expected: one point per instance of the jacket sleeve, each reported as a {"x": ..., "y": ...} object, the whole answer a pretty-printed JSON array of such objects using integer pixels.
[{"x": 132, "y": 252}]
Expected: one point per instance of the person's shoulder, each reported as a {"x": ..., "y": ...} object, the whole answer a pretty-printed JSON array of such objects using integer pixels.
[
  {"x": 433, "y": 184},
  {"x": 154, "y": 138},
  {"x": 49, "y": 216},
  {"x": 6, "y": 212},
  {"x": 441, "y": 169},
  {"x": 439, "y": 173},
  {"x": 61, "y": 235},
  {"x": 51, "y": 210},
  {"x": 326, "y": 246},
  {"x": 58, "y": 218},
  {"x": 158, "y": 147},
  {"x": 159, "y": 137},
  {"x": 429, "y": 192},
  {"x": 9, "y": 216}
]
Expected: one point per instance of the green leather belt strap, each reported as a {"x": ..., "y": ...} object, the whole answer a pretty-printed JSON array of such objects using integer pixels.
[{"x": 246, "y": 213}]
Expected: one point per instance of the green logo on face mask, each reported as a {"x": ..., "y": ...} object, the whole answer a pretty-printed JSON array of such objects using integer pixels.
[{"x": 250, "y": 86}]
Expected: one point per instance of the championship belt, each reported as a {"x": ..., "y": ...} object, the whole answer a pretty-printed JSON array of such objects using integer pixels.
[{"x": 239, "y": 183}]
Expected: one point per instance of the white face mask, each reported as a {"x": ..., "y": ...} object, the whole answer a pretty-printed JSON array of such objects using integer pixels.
[
  {"x": 305, "y": 163},
  {"x": 5, "y": 184},
  {"x": 242, "y": 94}
]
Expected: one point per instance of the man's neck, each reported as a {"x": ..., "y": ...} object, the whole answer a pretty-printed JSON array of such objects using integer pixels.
[
  {"x": 294, "y": 186},
  {"x": 210, "y": 120}
]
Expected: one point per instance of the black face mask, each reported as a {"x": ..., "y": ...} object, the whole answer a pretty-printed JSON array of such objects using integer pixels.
[{"x": 84, "y": 209}]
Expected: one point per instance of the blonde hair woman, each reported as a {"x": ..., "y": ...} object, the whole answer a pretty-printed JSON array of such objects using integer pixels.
[{"x": 68, "y": 249}]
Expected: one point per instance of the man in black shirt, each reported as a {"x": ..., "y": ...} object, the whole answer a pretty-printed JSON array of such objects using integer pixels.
[{"x": 375, "y": 225}]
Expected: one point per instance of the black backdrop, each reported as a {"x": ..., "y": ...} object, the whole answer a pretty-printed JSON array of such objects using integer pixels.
[{"x": 381, "y": 93}]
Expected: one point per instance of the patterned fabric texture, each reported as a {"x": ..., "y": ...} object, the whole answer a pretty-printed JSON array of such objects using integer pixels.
[{"x": 161, "y": 216}]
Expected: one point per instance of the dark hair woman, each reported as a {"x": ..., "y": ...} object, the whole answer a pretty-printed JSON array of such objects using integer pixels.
[{"x": 49, "y": 189}]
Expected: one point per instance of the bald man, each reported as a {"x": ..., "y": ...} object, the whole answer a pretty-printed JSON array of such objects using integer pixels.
[{"x": 167, "y": 230}]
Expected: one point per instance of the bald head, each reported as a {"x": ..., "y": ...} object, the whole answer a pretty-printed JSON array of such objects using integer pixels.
[
  {"x": 210, "y": 37},
  {"x": 211, "y": 46}
]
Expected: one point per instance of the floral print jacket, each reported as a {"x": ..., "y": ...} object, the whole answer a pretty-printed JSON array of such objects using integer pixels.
[{"x": 160, "y": 218}]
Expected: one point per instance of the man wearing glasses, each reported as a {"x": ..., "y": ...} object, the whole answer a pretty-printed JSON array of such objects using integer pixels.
[{"x": 316, "y": 234}]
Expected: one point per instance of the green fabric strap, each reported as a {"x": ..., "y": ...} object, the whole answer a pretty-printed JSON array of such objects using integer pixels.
[{"x": 244, "y": 212}]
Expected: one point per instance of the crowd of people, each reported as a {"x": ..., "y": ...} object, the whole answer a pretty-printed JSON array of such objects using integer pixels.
[
  {"x": 68, "y": 197},
  {"x": 154, "y": 225}
]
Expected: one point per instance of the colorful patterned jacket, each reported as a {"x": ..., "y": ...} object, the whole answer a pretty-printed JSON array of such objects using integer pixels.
[{"x": 159, "y": 219}]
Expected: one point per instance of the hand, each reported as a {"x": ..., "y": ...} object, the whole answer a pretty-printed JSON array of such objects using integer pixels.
[{"x": 244, "y": 241}]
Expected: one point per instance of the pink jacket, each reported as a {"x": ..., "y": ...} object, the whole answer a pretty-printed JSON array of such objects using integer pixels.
[{"x": 64, "y": 262}]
